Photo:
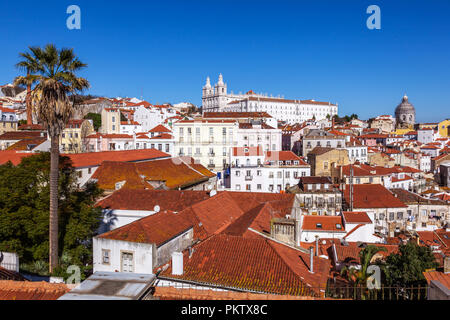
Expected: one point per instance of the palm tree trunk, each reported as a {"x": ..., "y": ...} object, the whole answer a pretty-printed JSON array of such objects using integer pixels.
[
  {"x": 53, "y": 234},
  {"x": 28, "y": 103}
]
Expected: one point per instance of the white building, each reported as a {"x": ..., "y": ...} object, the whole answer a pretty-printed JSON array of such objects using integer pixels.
[
  {"x": 207, "y": 141},
  {"x": 218, "y": 100},
  {"x": 140, "y": 246},
  {"x": 254, "y": 170}
]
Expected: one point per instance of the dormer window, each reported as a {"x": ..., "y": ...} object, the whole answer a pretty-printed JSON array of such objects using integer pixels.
[
  {"x": 318, "y": 225},
  {"x": 338, "y": 226}
]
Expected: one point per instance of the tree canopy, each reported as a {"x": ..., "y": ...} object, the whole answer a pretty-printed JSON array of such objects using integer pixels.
[
  {"x": 406, "y": 267},
  {"x": 24, "y": 207}
]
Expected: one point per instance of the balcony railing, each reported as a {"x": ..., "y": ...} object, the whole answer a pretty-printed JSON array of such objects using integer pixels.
[
  {"x": 211, "y": 165},
  {"x": 211, "y": 154},
  {"x": 249, "y": 178}
]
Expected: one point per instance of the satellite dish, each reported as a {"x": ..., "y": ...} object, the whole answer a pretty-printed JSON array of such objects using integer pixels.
[
  {"x": 156, "y": 208},
  {"x": 212, "y": 193}
]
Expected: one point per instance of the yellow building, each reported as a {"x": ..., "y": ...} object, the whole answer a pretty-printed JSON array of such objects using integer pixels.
[
  {"x": 444, "y": 128},
  {"x": 72, "y": 138},
  {"x": 324, "y": 160},
  {"x": 110, "y": 121}
]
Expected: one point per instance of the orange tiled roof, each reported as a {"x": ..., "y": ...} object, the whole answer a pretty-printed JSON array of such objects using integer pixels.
[
  {"x": 96, "y": 158},
  {"x": 175, "y": 172},
  {"x": 443, "y": 278},
  {"x": 283, "y": 156},
  {"x": 171, "y": 293},
  {"x": 160, "y": 128},
  {"x": 13, "y": 156},
  {"x": 356, "y": 217},
  {"x": 174, "y": 200},
  {"x": 157, "y": 228},
  {"x": 251, "y": 264},
  {"x": 372, "y": 196},
  {"x": 328, "y": 223},
  {"x": 27, "y": 290}
]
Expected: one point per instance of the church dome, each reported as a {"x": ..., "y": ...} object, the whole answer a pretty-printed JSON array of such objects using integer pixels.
[
  {"x": 405, "y": 111},
  {"x": 405, "y": 106}
]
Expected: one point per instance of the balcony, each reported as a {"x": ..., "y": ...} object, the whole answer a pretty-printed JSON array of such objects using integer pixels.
[
  {"x": 211, "y": 154},
  {"x": 211, "y": 165},
  {"x": 248, "y": 178}
]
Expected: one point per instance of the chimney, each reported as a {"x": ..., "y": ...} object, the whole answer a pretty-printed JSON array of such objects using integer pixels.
[
  {"x": 298, "y": 227},
  {"x": 177, "y": 263},
  {"x": 447, "y": 265},
  {"x": 311, "y": 259},
  {"x": 317, "y": 245}
]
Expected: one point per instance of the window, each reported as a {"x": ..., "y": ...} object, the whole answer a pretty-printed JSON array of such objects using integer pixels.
[
  {"x": 391, "y": 216},
  {"x": 238, "y": 173},
  {"x": 248, "y": 187},
  {"x": 258, "y": 173},
  {"x": 325, "y": 165},
  {"x": 127, "y": 262},
  {"x": 271, "y": 174},
  {"x": 399, "y": 215},
  {"x": 287, "y": 174},
  {"x": 238, "y": 187},
  {"x": 105, "y": 256},
  {"x": 271, "y": 187},
  {"x": 318, "y": 225},
  {"x": 309, "y": 186},
  {"x": 279, "y": 174},
  {"x": 338, "y": 226},
  {"x": 258, "y": 187}
]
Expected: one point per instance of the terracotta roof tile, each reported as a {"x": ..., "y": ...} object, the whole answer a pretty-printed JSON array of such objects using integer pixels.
[
  {"x": 27, "y": 290},
  {"x": 255, "y": 264},
  {"x": 157, "y": 228},
  {"x": 372, "y": 196},
  {"x": 356, "y": 217}
]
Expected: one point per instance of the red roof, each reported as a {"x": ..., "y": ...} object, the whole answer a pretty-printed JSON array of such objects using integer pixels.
[
  {"x": 110, "y": 136},
  {"x": 165, "y": 136},
  {"x": 14, "y": 156},
  {"x": 96, "y": 158},
  {"x": 157, "y": 228},
  {"x": 283, "y": 156},
  {"x": 160, "y": 128},
  {"x": 255, "y": 264},
  {"x": 323, "y": 223},
  {"x": 175, "y": 173},
  {"x": 27, "y": 290},
  {"x": 372, "y": 196},
  {"x": 443, "y": 278},
  {"x": 146, "y": 200},
  {"x": 356, "y": 217}
]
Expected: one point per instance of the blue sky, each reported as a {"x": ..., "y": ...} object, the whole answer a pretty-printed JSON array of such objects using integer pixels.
[{"x": 321, "y": 50}]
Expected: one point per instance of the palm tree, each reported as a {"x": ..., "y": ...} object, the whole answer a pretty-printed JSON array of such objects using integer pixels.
[
  {"x": 54, "y": 72},
  {"x": 360, "y": 276},
  {"x": 31, "y": 66}
]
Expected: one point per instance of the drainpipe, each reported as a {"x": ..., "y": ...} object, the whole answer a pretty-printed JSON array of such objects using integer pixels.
[{"x": 311, "y": 259}]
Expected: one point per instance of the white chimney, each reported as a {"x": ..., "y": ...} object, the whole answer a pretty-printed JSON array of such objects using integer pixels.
[
  {"x": 177, "y": 263},
  {"x": 317, "y": 245},
  {"x": 311, "y": 259}
]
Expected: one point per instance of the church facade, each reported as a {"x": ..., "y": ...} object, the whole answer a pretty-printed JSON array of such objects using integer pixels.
[{"x": 217, "y": 99}]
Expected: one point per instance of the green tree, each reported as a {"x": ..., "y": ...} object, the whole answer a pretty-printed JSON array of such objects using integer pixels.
[
  {"x": 406, "y": 267},
  {"x": 96, "y": 119},
  {"x": 55, "y": 74},
  {"x": 24, "y": 207}
]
